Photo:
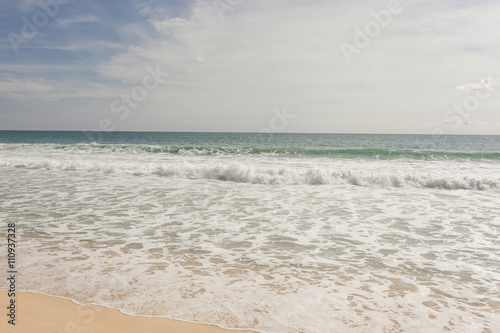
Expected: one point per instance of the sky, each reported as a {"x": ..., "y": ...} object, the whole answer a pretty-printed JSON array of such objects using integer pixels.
[{"x": 337, "y": 66}]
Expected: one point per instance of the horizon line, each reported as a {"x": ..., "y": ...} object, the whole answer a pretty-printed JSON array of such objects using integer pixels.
[{"x": 228, "y": 132}]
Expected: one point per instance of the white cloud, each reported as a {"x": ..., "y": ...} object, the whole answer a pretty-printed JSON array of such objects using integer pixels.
[
  {"x": 28, "y": 87},
  {"x": 78, "y": 19},
  {"x": 87, "y": 45},
  {"x": 483, "y": 84},
  {"x": 165, "y": 25},
  {"x": 227, "y": 75},
  {"x": 53, "y": 91},
  {"x": 35, "y": 69},
  {"x": 27, "y": 5},
  {"x": 289, "y": 55}
]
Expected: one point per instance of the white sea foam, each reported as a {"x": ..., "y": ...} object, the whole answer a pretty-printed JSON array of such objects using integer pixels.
[
  {"x": 275, "y": 258},
  {"x": 440, "y": 174},
  {"x": 246, "y": 240}
]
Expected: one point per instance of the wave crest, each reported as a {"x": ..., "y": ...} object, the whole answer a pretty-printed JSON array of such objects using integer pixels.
[
  {"x": 268, "y": 174},
  {"x": 365, "y": 153}
]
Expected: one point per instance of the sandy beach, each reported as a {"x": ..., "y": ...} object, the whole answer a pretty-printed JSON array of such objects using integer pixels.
[{"x": 40, "y": 313}]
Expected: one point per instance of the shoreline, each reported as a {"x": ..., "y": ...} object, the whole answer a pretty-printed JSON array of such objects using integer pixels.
[{"x": 36, "y": 312}]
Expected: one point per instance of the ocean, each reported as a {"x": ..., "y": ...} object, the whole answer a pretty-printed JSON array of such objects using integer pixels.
[{"x": 271, "y": 232}]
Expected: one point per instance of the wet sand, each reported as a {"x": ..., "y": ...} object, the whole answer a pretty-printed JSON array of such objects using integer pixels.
[{"x": 40, "y": 313}]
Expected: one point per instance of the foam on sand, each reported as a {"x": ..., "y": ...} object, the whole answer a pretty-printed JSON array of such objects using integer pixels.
[{"x": 285, "y": 258}]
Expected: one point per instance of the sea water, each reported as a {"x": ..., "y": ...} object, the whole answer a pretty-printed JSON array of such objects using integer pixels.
[{"x": 272, "y": 232}]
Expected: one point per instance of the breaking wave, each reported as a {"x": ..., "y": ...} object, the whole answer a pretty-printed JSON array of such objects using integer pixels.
[
  {"x": 367, "y": 153},
  {"x": 240, "y": 172}
]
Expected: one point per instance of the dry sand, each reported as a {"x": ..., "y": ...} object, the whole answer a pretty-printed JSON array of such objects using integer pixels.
[{"x": 37, "y": 313}]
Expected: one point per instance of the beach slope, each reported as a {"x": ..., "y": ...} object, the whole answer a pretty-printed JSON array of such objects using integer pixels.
[{"x": 40, "y": 313}]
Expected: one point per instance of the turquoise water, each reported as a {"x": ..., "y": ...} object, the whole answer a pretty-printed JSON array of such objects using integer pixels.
[
  {"x": 447, "y": 162},
  {"x": 308, "y": 144}
]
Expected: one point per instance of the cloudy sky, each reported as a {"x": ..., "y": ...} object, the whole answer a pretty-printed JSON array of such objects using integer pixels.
[{"x": 335, "y": 66}]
